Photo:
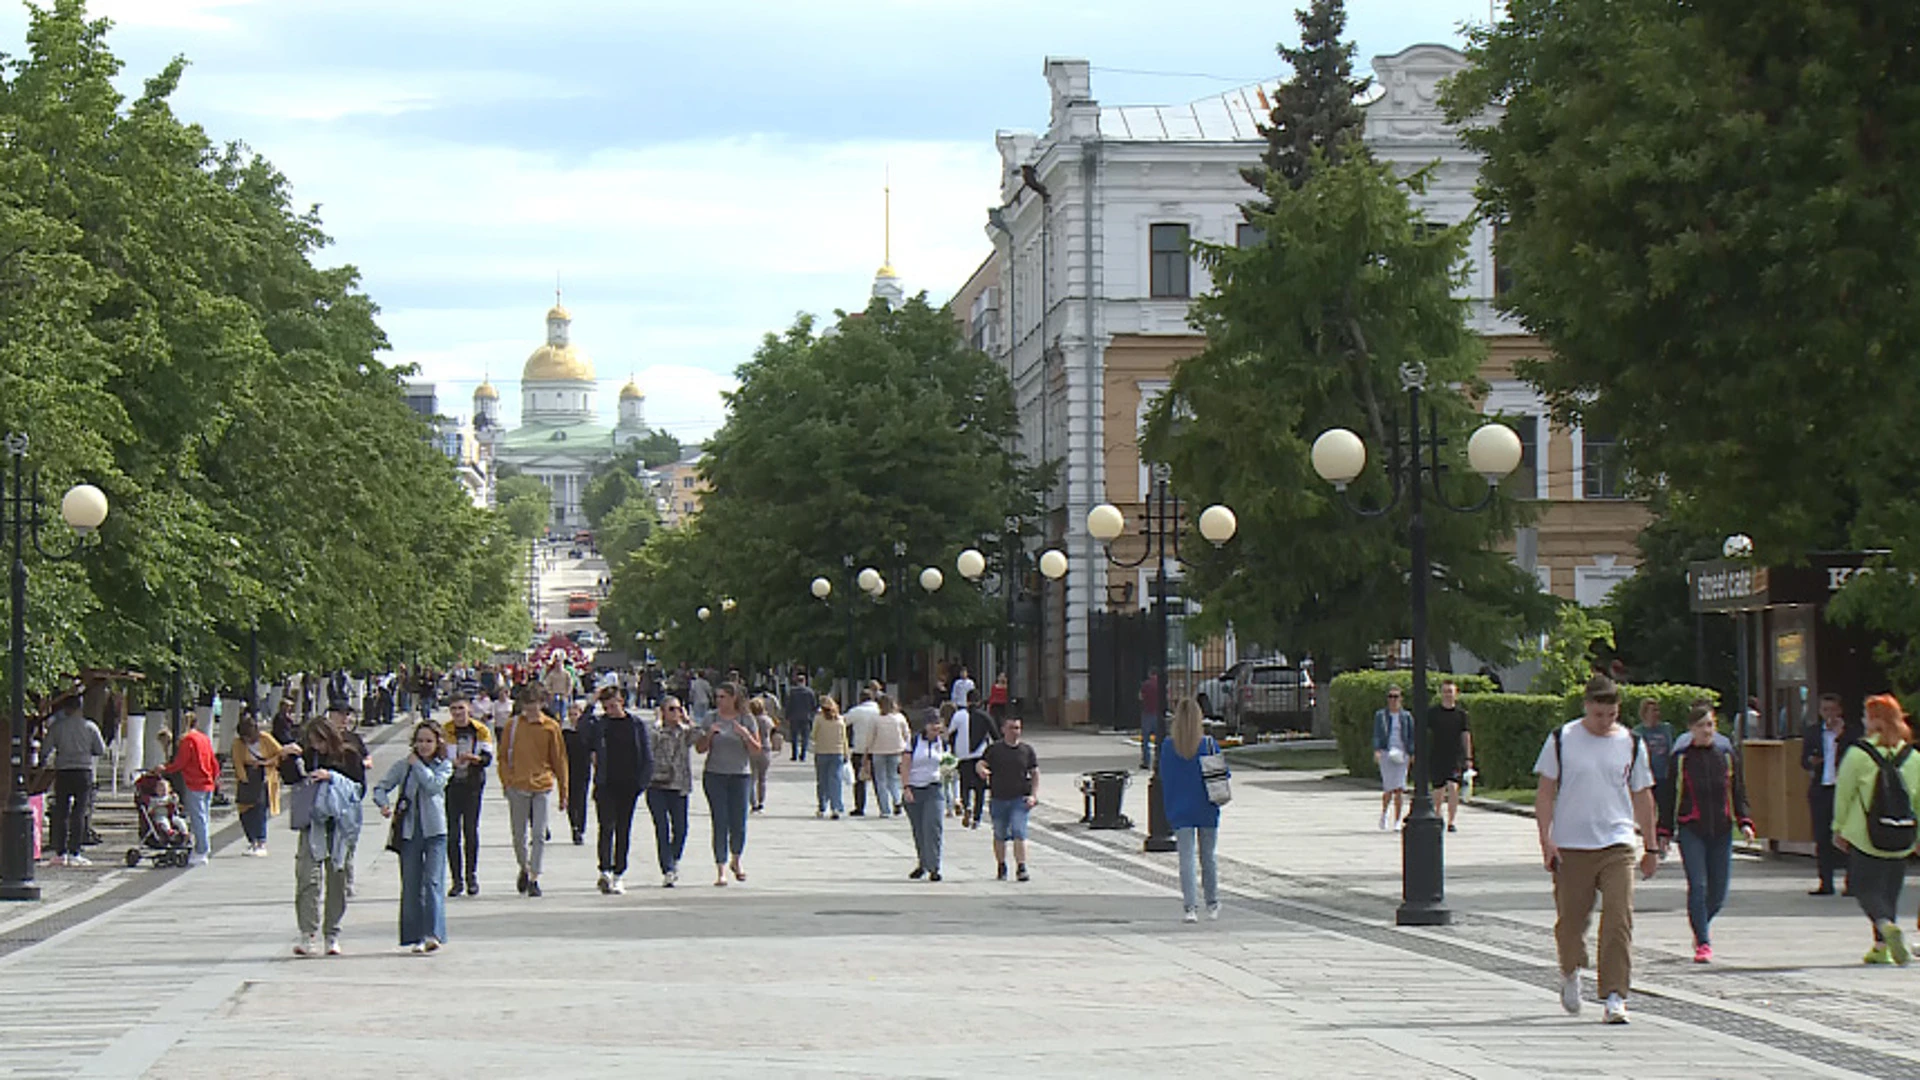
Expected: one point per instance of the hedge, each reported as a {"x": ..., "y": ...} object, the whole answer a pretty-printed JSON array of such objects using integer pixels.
[
  {"x": 1353, "y": 697},
  {"x": 1508, "y": 729}
]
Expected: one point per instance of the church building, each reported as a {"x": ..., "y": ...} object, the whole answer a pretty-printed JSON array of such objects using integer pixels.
[{"x": 560, "y": 440}]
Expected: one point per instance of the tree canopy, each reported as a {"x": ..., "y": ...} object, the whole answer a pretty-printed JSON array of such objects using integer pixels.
[
  {"x": 886, "y": 428},
  {"x": 1317, "y": 110},
  {"x": 1703, "y": 209},
  {"x": 168, "y": 336}
]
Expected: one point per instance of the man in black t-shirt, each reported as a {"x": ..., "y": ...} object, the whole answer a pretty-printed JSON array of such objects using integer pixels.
[
  {"x": 1012, "y": 774},
  {"x": 1449, "y": 750}
]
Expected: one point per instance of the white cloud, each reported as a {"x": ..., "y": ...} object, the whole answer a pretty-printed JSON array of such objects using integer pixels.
[
  {"x": 331, "y": 94},
  {"x": 173, "y": 14}
]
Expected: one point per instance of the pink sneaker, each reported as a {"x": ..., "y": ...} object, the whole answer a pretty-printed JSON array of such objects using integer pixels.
[{"x": 1702, "y": 954}]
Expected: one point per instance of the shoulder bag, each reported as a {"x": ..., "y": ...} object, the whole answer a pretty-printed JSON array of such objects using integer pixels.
[
  {"x": 1214, "y": 774},
  {"x": 401, "y": 806}
]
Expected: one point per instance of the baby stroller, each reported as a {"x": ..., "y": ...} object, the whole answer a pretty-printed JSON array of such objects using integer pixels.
[{"x": 163, "y": 834}]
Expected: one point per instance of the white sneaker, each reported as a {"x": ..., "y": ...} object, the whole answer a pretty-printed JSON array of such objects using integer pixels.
[
  {"x": 673, "y": 877},
  {"x": 1213, "y": 911},
  {"x": 605, "y": 884},
  {"x": 619, "y": 886},
  {"x": 1570, "y": 992},
  {"x": 1615, "y": 1011},
  {"x": 333, "y": 946},
  {"x": 308, "y": 947},
  {"x": 1383, "y": 821},
  {"x": 195, "y": 859},
  {"x": 1190, "y": 915},
  {"x": 79, "y": 860},
  {"x": 59, "y": 860}
]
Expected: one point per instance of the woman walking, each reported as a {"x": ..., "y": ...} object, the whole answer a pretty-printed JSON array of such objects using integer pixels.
[
  {"x": 420, "y": 779},
  {"x": 729, "y": 740},
  {"x": 256, "y": 758},
  {"x": 919, "y": 773},
  {"x": 672, "y": 781},
  {"x": 1191, "y": 814},
  {"x": 887, "y": 739},
  {"x": 622, "y": 768},
  {"x": 829, "y": 758},
  {"x": 327, "y": 814},
  {"x": 1877, "y": 872},
  {"x": 763, "y": 726},
  {"x": 1706, "y": 800},
  {"x": 472, "y": 748}
]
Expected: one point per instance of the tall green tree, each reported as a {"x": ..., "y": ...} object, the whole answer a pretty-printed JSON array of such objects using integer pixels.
[
  {"x": 891, "y": 428},
  {"x": 1316, "y": 112},
  {"x": 1703, "y": 209},
  {"x": 1309, "y": 330}
]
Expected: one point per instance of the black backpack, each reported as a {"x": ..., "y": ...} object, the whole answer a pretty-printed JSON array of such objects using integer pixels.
[{"x": 1890, "y": 824}]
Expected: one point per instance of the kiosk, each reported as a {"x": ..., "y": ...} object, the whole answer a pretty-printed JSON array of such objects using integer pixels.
[{"x": 1789, "y": 656}]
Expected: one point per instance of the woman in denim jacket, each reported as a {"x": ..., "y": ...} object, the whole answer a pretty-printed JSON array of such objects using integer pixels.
[{"x": 420, "y": 779}]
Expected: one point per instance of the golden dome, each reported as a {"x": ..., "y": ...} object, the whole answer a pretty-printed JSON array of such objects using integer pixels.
[
  {"x": 557, "y": 363},
  {"x": 558, "y": 312},
  {"x": 486, "y": 392},
  {"x": 631, "y": 391},
  {"x": 886, "y": 271}
]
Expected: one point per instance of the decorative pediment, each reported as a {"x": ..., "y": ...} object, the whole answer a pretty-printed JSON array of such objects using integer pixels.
[{"x": 1408, "y": 106}]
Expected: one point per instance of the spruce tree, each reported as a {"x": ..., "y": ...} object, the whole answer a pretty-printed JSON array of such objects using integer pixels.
[{"x": 1318, "y": 107}]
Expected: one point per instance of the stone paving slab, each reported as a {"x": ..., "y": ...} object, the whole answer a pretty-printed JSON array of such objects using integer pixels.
[{"x": 827, "y": 962}]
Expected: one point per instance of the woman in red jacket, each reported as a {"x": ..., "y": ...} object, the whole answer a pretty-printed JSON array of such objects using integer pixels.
[
  {"x": 1707, "y": 801},
  {"x": 199, "y": 773}
]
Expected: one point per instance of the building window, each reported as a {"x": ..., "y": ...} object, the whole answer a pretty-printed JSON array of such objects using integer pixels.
[
  {"x": 1168, "y": 271},
  {"x": 1525, "y": 481},
  {"x": 687, "y": 482},
  {"x": 1502, "y": 276},
  {"x": 1600, "y": 466},
  {"x": 1247, "y": 234},
  {"x": 686, "y": 507}
]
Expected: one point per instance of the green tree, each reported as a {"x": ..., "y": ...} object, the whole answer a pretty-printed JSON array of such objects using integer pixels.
[
  {"x": 527, "y": 504},
  {"x": 1309, "y": 330},
  {"x": 1567, "y": 658},
  {"x": 890, "y": 428},
  {"x": 1659, "y": 637},
  {"x": 1316, "y": 112},
  {"x": 607, "y": 491}
]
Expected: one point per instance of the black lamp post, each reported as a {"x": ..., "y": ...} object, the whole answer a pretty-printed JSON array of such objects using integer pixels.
[
  {"x": 1160, "y": 533},
  {"x": 1339, "y": 456},
  {"x": 84, "y": 507}
]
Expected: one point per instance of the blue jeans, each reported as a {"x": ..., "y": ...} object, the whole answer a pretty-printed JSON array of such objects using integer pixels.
[
  {"x": 669, "y": 810},
  {"x": 886, "y": 782},
  {"x": 727, "y": 802},
  {"x": 1009, "y": 818},
  {"x": 1197, "y": 845},
  {"x": 1149, "y": 727},
  {"x": 423, "y": 889},
  {"x": 1708, "y": 861},
  {"x": 197, "y": 804},
  {"x": 827, "y": 788},
  {"x": 802, "y": 736}
]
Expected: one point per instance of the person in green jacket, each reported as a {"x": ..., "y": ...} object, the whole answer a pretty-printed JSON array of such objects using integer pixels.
[{"x": 1877, "y": 874}]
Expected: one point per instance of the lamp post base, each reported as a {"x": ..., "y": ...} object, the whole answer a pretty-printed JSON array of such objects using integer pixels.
[
  {"x": 1159, "y": 833},
  {"x": 16, "y": 854},
  {"x": 1422, "y": 869}
]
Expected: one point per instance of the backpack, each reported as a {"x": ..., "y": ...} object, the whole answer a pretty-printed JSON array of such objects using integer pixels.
[
  {"x": 1890, "y": 823},
  {"x": 1561, "y": 766}
]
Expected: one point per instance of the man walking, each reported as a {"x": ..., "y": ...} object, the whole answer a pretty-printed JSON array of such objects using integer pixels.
[
  {"x": 970, "y": 732},
  {"x": 533, "y": 765},
  {"x": 471, "y": 745},
  {"x": 1012, "y": 772},
  {"x": 962, "y": 688},
  {"x": 72, "y": 744},
  {"x": 1449, "y": 750},
  {"x": 1393, "y": 752},
  {"x": 1595, "y": 793},
  {"x": 801, "y": 705},
  {"x": 1822, "y": 743},
  {"x": 700, "y": 697},
  {"x": 1149, "y": 717},
  {"x": 623, "y": 767},
  {"x": 861, "y": 721}
]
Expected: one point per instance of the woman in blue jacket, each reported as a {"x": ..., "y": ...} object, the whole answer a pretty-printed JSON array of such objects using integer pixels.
[
  {"x": 1194, "y": 818},
  {"x": 420, "y": 779}
]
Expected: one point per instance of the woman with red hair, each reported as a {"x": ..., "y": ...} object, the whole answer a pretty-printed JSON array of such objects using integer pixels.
[{"x": 1872, "y": 828}]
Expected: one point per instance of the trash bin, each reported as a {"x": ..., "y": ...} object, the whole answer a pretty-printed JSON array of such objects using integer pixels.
[{"x": 1105, "y": 791}]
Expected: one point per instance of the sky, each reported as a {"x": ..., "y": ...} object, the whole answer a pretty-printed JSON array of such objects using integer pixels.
[{"x": 691, "y": 174}]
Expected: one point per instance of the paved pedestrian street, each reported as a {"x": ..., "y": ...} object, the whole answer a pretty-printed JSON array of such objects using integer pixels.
[{"x": 829, "y": 962}]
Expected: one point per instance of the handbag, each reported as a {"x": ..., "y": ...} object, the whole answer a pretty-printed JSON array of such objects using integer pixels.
[
  {"x": 400, "y": 807},
  {"x": 300, "y": 804},
  {"x": 1214, "y": 774}
]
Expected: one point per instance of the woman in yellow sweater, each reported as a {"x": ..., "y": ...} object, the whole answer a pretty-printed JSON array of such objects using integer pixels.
[
  {"x": 256, "y": 758},
  {"x": 1877, "y": 872}
]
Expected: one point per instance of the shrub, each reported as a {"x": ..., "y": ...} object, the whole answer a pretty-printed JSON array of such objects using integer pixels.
[
  {"x": 1508, "y": 730},
  {"x": 1354, "y": 696}
]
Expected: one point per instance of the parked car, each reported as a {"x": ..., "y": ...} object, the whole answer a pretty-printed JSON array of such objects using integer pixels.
[
  {"x": 1212, "y": 694},
  {"x": 1270, "y": 695}
]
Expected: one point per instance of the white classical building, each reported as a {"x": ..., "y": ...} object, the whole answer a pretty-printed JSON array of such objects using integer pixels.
[
  {"x": 560, "y": 440},
  {"x": 1086, "y": 301}
]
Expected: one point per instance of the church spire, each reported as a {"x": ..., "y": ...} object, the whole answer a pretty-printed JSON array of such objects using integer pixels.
[{"x": 886, "y": 282}]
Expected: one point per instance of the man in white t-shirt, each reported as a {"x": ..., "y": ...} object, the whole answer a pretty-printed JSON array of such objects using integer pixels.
[
  {"x": 1595, "y": 793},
  {"x": 962, "y": 690}
]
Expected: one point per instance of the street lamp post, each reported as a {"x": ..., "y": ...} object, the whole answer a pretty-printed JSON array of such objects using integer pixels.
[
  {"x": 83, "y": 507},
  {"x": 1160, "y": 529},
  {"x": 1339, "y": 455}
]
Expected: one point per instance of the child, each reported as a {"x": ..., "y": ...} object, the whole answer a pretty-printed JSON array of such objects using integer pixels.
[{"x": 1706, "y": 798}]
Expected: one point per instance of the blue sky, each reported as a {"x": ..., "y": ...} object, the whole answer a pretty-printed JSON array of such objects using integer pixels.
[{"x": 694, "y": 173}]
